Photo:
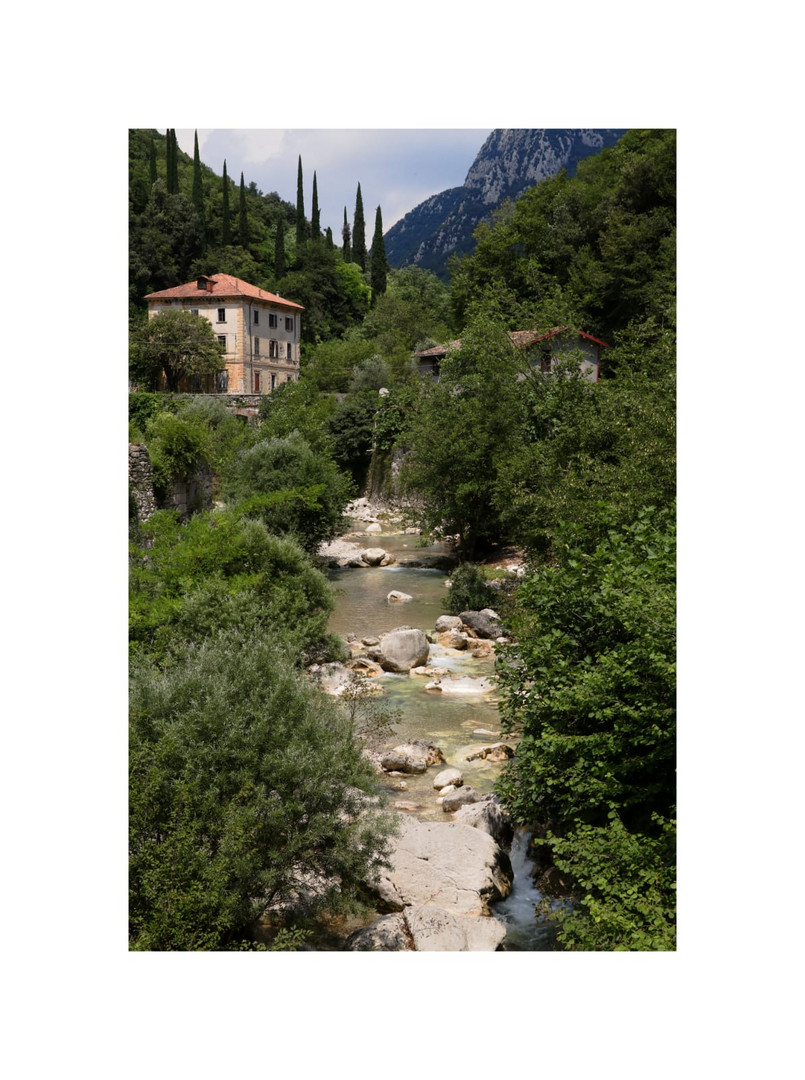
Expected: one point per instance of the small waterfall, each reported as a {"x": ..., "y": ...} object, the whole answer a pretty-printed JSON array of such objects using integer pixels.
[{"x": 523, "y": 932}]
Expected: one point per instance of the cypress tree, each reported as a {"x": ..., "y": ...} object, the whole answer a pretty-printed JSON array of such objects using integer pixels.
[
  {"x": 380, "y": 266},
  {"x": 243, "y": 223},
  {"x": 315, "y": 224},
  {"x": 346, "y": 236},
  {"x": 198, "y": 195},
  {"x": 329, "y": 237},
  {"x": 226, "y": 225},
  {"x": 279, "y": 250},
  {"x": 359, "y": 233},
  {"x": 300, "y": 211},
  {"x": 169, "y": 161},
  {"x": 152, "y": 162},
  {"x": 173, "y": 162}
]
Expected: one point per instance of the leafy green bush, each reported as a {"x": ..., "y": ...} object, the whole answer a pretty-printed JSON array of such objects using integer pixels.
[
  {"x": 143, "y": 406},
  {"x": 468, "y": 591},
  {"x": 590, "y": 687},
  {"x": 294, "y": 490},
  {"x": 245, "y": 782},
  {"x": 220, "y": 571},
  {"x": 178, "y": 447}
]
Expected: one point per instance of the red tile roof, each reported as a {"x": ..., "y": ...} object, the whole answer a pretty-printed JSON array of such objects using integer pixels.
[
  {"x": 223, "y": 286},
  {"x": 523, "y": 338},
  {"x": 520, "y": 338},
  {"x": 439, "y": 350}
]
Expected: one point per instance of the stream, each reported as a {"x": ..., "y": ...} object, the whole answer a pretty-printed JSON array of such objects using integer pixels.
[{"x": 459, "y": 725}]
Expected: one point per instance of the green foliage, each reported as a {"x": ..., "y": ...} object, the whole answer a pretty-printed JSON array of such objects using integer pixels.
[
  {"x": 590, "y": 687},
  {"x": 143, "y": 406},
  {"x": 334, "y": 298},
  {"x": 468, "y": 590},
  {"x": 198, "y": 194},
  {"x": 301, "y": 231},
  {"x": 223, "y": 570},
  {"x": 177, "y": 343},
  {"x": 289, "y": 939},
  {"x": 244, "y": 780},
  {"x": 279, "y": 250},
  {"x": 359, "y": 232},
  {"x": 370, "y": 374},
  {"x": 459, "y": 429},
  {"x": 315, "y": 491},
  {"x": 330, "y": 365},
  {"x": 414, "y": 306},
  {"x": 178, "y": 447},
  {"x": 626, "y": 888},
  {"x": 352, "y": 431},
  {"x": 298, "y": 406},
  {"x": 582, "y": 446},
  {"x": 606, "y": 237},
  {"x": 379, "y": 263},
  {"x": 227, "y": 435}
]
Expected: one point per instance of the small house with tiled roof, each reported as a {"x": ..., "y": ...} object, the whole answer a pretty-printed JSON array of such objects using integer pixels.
[
  {"x": 260, "y": 332},
  {"x": 542, "y": 347}
]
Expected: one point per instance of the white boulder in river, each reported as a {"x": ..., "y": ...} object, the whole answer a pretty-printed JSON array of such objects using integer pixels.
[
  {"x": 446, "y": 777},
  {"x": 402, "y": 650},
  {"x": 444, "y": 864},
  {"x": 420, "y": 928},
  {"x": 397, "y": 597},
  {"x": 373, "y": 556}
]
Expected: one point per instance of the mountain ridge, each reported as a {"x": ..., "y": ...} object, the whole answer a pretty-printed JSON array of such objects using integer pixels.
[{"x": 510, "y": 161}]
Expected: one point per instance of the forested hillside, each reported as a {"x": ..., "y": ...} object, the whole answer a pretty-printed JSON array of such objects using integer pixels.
[
  {"x": 186, "y": 220},
  {"x": 578, "y": 476}
]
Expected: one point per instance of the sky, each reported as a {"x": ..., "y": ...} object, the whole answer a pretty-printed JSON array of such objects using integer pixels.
[{"x": 397, "y": 168}]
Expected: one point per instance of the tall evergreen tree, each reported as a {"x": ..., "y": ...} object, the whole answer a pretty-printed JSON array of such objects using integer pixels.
[
  {"x": 315, "y": 224},
  {"x": 346, "y": 236},
  {"x": 198, "y": 195},
  {"x": 279, "y": 250},
  {"x": 173, "y": 162},
  {"x": 169, "y": 156},
  {"x": 226, "y": 224},
  {"x": 329, "y": 237},
  {"x": 243, "y": 222},
  {"x": 359, "y": 233},
  {"x": 380, "y": 266},
  {"x": 152, "y": 162},
  {"x": 300, "y": 211}
]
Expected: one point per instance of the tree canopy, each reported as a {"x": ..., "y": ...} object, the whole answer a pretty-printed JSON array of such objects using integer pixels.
[{"x": 177, "y": 343}]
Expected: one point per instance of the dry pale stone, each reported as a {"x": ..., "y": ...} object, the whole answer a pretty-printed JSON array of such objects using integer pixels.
[
  {"x": 446, "y": 865},
  {"x": 459, "y": 798},
  {"x": 448, "y": 776},
  {"x": 434, "y": 930}
]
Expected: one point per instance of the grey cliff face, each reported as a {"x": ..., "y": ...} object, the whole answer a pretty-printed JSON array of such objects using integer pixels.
[{"x": 511, "y": 160}]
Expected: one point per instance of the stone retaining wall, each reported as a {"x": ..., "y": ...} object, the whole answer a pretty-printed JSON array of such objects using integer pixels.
[{"x": 141, "y": 481}]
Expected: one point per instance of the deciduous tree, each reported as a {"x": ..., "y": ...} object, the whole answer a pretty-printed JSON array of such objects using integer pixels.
[{"x": 176, "y": 343}]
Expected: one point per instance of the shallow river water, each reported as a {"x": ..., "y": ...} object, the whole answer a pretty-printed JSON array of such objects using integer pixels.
[{"x": 459, "y": 725}]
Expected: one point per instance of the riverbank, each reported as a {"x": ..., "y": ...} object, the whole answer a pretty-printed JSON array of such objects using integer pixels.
[{"x": 445, "y": 704}]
